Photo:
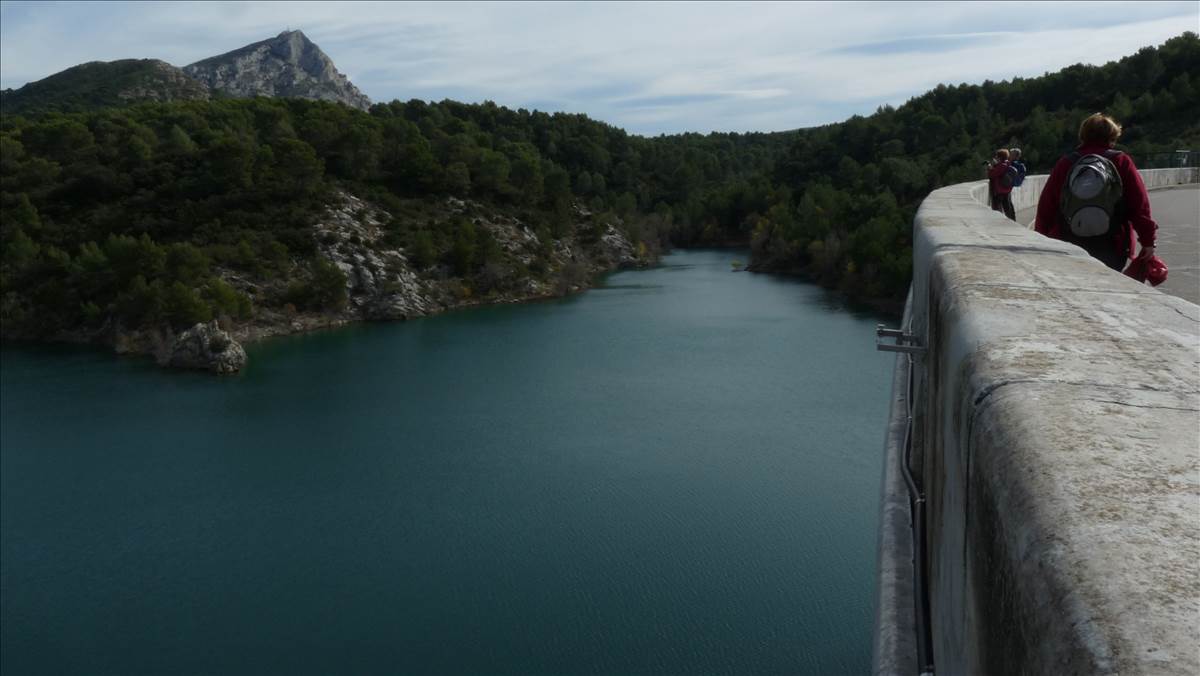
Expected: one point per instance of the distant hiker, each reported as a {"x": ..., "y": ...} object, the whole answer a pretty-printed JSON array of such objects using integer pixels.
[
  {"x": 1000, "y": 183},
  {"x": 1014, "y": 158},
  {"x": 1095, "y": 198}
]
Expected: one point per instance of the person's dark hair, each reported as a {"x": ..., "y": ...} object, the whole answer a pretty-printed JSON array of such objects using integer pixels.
[{"x": 1099, "y": 128}]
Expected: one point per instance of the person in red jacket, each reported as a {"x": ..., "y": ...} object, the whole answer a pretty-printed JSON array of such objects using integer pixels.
[
  {"x": 1097, "y": 135},
  {"x": 1000, "y": 192}
]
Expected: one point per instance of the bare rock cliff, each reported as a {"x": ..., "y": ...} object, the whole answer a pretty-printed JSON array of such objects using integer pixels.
[
  {"x": 205, "y": 347},
  {"x": 288, "y": 65}
]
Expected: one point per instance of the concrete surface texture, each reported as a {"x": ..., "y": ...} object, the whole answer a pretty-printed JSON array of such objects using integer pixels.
[
  {"x": 1176, "y": 209},
  {"x": 1058, "y": 418}
]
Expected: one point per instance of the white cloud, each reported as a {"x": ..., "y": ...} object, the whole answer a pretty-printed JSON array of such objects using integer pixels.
[
  {"x": 757, "y": 93},
  {"x": 646, "y": 67}
]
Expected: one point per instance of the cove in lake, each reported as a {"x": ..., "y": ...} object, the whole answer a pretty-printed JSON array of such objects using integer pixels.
[{"x": 677, "y": 472}]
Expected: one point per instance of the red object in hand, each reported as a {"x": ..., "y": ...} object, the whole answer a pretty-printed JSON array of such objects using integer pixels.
[{"x": 1152, "y": 270}]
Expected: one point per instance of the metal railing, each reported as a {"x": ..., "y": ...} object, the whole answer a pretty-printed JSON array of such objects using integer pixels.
[{"x": 1169, "y": 160}]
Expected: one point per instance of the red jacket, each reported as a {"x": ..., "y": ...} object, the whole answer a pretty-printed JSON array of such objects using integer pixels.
[
  {"x": 1137, "y": 203},
  {"x": 994, "y": 174}
]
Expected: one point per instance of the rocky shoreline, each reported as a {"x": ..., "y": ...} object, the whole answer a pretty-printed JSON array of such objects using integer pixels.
[{"x": 382, "y": 284}]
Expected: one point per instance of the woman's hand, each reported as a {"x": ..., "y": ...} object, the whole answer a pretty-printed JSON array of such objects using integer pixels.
[{"x": 1147, "y": 252}]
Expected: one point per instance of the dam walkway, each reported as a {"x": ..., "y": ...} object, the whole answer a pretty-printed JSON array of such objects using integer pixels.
[
  {"x": 1177, "y": 211},
  {"x": 1042, "y": 467}
]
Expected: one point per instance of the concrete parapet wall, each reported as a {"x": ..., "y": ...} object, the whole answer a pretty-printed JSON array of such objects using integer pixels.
[
  {"x": 1027, "y": 194},
  {"x": 1057, "y": 434}
]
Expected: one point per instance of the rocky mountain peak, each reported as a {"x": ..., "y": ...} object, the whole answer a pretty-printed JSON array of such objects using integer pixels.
[
  {"x": 288, "y": 65},
  {"x": 295, "y": 48}
]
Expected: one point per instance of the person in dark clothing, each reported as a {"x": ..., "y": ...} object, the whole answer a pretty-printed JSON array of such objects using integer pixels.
[
  {"x": 1131, "y": 219},
  {"x": 998, "y": 188},
  {"x": 1014, "y": 158}
]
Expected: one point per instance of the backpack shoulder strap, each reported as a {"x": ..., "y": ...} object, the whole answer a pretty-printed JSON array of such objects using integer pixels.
[{"x": 1111, "y": 155}]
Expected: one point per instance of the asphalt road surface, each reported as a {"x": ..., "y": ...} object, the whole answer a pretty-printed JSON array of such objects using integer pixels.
[{"x": 1177, "y": 212}]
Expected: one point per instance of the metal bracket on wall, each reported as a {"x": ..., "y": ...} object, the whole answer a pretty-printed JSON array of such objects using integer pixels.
[{"x": 905, "y": 342}]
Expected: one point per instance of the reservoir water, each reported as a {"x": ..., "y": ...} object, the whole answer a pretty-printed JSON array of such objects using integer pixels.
[{"x": 677, "y": 472}]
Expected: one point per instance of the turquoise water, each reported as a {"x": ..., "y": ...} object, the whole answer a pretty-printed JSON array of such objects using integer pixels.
[{"x": 675, "y": 473}]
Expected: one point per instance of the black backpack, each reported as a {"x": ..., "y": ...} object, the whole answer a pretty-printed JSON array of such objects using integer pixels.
[{"x": 1091, "y": 202}]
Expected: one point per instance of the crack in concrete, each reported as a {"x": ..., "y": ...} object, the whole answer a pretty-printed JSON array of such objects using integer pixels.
[
  {"x": 1195, "y": 319},
  {"x": 987, "y": 391},
  {"x": 1165, "y": 408},
  {"x": 1026, "y": 287}
]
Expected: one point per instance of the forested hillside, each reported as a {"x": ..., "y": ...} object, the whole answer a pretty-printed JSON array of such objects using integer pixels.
[
  {"x": 136, "y": 214},
  {"x": 857, "y": 184},
  {"x": 143, "y": 215},
  {"x": 101, "y": 84}
]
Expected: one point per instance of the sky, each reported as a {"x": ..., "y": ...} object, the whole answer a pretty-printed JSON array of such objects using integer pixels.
[{"x": 650, "y": 68}]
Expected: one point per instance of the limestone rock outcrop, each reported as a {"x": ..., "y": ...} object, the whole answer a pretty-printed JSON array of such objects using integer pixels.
[
  {"x": 380, "y": 282},
  {"x": 163, "y": 82},
  {"x": 205, "y": 347},
  {"x": 288, "y": 65},
  {"x": 617, "y": 250}
]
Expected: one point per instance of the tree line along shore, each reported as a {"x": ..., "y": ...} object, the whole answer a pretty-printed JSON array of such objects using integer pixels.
[{"x": 163, "y": 215}]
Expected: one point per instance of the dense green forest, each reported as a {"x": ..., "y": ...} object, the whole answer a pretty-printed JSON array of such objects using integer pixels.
[
  {"x": 137, "y": 214},
  {"x": 132, "y": 212}
]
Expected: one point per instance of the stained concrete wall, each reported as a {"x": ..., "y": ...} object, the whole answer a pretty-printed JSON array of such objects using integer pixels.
[{"x": 1057, "y": 434}]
